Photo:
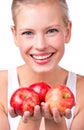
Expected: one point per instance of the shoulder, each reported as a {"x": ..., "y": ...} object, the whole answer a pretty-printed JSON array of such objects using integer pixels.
[
  {"x": 3, "y": 72},
  {"x": 80, "y": 90},
  {"x": 3, "y": 76},
  {"x": 3, "y": 88},
  {"x": 80, "y": 80},
  {"x": 80, "y": 87},
  {"x": 3, "y": 80}
]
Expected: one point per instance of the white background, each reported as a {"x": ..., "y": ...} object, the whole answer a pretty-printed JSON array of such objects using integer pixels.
[{"x": 74, "y": 52}]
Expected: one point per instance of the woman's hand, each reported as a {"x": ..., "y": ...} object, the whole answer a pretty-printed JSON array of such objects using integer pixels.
[
  {"x": 42, "y": 111},
  {"x": 26, "y": 116},
  {"x": 55, "y": 113}
]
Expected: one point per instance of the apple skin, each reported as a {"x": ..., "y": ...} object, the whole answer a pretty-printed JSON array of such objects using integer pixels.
[
  {"x": 24, "y": 99},
  {"x": 41, "y": 88},
  {"x": 60, "y": 97}
]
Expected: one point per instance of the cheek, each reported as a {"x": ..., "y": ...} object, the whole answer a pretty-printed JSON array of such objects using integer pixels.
[
  {"x": 58, "y": 43},
  {"x": 61, "y": 47},
  {"x": 24, "y": 46}
]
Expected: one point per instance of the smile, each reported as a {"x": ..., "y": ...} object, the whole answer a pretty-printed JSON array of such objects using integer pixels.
[{"x": 42, "y": 57}]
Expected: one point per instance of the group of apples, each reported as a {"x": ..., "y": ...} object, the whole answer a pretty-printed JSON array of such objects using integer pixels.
[{"x": 58, "y": 96}]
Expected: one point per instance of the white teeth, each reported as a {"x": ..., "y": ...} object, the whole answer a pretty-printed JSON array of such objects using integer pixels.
[{"x": 41, "y": 57}]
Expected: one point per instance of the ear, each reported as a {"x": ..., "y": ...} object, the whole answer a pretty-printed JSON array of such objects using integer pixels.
[
  {"x": 68, "y": 32},
  {"x": 13, "y": 30}
]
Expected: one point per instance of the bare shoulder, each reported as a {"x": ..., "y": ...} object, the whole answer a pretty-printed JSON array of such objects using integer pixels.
[
  {"x": 3, "y": 83},
  {"x": 79, "y": 111},
  {"x": 3, "y": 89},
  {"x": 3, "y": 77},
  {"x": 80, "y": 90},
  {"x": 80, "y": 80}
]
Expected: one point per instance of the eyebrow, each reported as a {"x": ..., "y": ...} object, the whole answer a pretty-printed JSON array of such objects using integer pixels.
[{"x": 31, "y": 29}]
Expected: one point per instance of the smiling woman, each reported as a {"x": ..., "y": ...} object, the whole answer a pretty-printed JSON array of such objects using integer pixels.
[
  {"x": 41, "y": 30},
  {"x": 70, "y": 59}
]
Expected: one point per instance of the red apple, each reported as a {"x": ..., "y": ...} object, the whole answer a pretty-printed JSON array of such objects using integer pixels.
[
  {"x": 60, "y": 97},
  {"x": 41, "y": 88},
  {"x": 24, "y": 99}
]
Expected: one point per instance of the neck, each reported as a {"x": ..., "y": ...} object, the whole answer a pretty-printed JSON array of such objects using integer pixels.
[{"x": 51, "y": 77}]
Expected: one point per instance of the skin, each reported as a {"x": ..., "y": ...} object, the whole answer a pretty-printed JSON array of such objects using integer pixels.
[{"x": 38, "y": 39}]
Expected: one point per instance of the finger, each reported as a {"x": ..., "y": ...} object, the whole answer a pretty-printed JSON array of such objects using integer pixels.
[
  {"x": 37, "y": 112},
  {"x": 68, "y": 113},
  {"x": 26, "y": 116},
  {"x": 56, "y": 116},
  {"x": 46, "y": 112},
  {"x": 12, "y": 112}
]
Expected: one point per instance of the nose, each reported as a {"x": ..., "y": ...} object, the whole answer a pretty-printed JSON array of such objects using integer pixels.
[{"x": 40, "y": 42}]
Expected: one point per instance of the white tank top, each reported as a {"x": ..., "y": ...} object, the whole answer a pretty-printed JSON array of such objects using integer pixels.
[{"x": 13, "y": 85}]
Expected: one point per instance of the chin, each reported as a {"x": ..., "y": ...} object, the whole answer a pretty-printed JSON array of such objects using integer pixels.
[{"x": 43, "y": 69}]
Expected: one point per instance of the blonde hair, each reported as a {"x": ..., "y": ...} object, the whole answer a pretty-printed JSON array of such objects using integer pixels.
[{"x": 16, "y": 4}]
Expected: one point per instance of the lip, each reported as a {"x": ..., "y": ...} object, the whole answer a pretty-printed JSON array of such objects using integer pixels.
[{"x": 42, "y": 58}]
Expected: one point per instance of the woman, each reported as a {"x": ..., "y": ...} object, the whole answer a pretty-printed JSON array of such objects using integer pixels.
[{"x": 41, "y": 30}]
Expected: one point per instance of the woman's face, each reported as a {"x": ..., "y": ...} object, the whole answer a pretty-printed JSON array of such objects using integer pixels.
[{"x": 40, "y": 35}]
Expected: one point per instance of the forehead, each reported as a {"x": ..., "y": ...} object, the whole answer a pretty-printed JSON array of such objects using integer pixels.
[{"x": 37, "y": 12}]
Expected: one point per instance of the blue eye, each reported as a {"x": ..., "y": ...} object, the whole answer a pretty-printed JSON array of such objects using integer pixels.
[
  {"x": 27, "y": 33},
  {"x": 52, "y": 31}
]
